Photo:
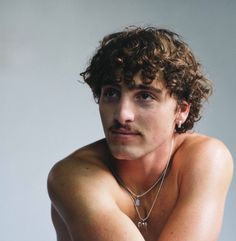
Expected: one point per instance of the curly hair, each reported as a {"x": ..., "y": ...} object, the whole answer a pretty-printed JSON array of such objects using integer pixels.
[{"x": 149, "y": 50}]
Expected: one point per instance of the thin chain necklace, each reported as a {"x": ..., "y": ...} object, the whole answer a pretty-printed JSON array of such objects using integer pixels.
[
  {"x": 136, "y": 197},
  {"x": 142, "y": 223}
]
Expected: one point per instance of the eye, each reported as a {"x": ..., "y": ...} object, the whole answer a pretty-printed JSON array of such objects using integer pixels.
[
  {"x": 144, "y": 97},
  {"x": 110, "y": 93}
]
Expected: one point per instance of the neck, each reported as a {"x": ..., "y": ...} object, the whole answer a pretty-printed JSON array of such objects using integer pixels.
[{"x": 142, "y": 173}]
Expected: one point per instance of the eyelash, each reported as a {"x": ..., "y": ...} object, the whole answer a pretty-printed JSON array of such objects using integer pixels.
[
  {"x": 112, "y": 94},
  {"x": 149, "y": 96},
  {"x": 106, "y": 93}
]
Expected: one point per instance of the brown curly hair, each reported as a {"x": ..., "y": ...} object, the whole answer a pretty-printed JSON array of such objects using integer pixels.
[{"x": 149, "y": 50}]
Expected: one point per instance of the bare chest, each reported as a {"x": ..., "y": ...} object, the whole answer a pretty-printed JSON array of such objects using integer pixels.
[{"x": 152, "y": 211}]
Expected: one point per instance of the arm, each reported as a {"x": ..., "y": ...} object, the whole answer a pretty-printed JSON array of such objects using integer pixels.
[
  {"x": 205, "y": 176},
  {"x": 82, "y": 198},
  {"x": 59, "y": 225}
]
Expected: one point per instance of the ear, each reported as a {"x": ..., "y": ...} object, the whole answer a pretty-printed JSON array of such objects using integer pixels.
[{"x": 182, "y": 112}]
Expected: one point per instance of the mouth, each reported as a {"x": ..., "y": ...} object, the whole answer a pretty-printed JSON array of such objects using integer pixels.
[
  {"x": 123, "y": 135},
  {"x": 124, "y": 131}
]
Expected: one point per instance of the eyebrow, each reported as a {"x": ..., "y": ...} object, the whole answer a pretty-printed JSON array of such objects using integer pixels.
[
  {"x": 139, "y": 87},
  {"x": 147, "y": 87}
]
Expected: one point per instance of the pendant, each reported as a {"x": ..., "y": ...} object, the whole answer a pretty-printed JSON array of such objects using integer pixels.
[
  {"x": 137, "y": 202},
  {"x": 142, "y": 224}
]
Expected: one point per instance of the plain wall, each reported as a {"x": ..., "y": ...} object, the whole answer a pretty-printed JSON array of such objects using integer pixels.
[{"x": 45, "y": 113}]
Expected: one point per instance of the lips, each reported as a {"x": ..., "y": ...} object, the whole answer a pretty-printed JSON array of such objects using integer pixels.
[
  {"x": 123, "y": 135},
  {"x": 122, "y": 132}
]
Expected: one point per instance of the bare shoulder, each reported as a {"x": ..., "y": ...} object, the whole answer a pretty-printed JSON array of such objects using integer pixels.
[
  {"x": 84, "y": 171},
  {"x": 205, "y": 157},
  {"x": 85, "y": 158},
  {"x": 204, "y": 169},
  {"x": 204, "y": 149},
  {"x": 81, "y": 189}
]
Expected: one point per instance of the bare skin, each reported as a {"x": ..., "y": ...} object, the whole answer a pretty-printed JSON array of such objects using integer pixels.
[{"x": 89, "y": 204}]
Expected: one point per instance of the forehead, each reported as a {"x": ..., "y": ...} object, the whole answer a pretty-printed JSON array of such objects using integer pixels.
[
  {"x": 138, "y": 82},
  {"x": 157, "y": 83}
]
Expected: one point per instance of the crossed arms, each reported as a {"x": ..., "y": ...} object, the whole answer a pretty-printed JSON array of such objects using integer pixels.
[{"x": 88, "y": 212}]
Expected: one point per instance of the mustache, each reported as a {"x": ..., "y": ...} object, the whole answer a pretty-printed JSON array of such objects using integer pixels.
[{"x": 125, "y": 127}]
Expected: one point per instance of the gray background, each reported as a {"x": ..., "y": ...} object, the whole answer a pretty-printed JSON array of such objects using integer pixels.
[{"x": 45, "y": 113}]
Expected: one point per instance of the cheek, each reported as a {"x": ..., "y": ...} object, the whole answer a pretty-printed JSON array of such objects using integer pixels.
[
  {"x": 105, "y": 115},
  {"x": 102, "y": 110},
  {"x": 158, "y": 121}
]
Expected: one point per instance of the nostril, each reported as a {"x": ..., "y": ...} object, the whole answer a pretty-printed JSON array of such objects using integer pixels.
[{"x": 123, "y": 116}]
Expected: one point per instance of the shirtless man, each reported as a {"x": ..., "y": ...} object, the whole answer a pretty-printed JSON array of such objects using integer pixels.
[{"x": 151, "y": 178}]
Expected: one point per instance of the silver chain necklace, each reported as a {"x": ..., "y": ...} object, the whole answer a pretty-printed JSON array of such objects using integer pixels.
[
  {"x": 142, "y": 223},
  {"x": 136, "y": 197}
]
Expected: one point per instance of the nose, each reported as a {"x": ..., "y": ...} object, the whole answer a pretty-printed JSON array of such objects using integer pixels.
[{"x": 124, "y": 111}]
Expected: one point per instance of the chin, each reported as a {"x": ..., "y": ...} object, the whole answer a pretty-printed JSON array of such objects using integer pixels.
[{"x": 124, "y": 152}]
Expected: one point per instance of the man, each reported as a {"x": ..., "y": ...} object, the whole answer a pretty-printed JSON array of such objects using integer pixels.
[{"x": 151, "y": 178}]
